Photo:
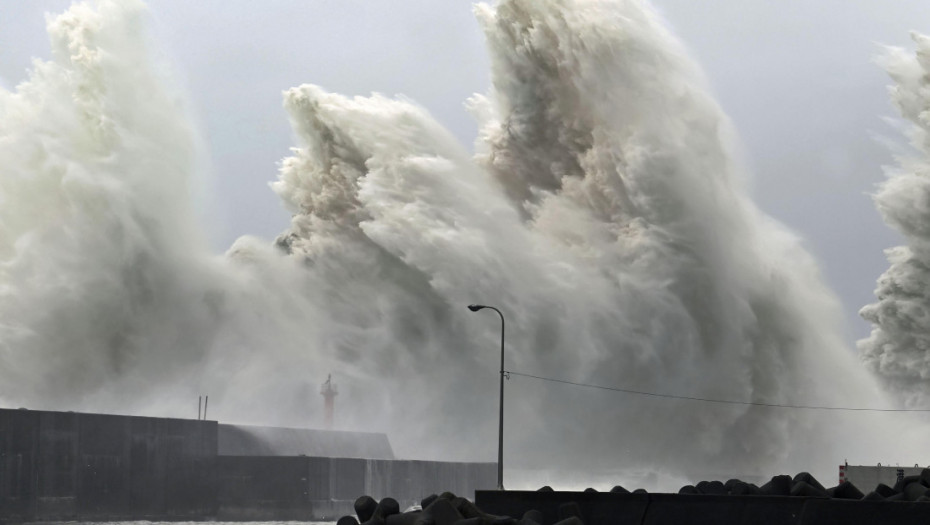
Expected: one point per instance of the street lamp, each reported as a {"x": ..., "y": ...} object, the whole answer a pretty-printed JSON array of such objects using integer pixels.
[{"x": 500, "y": 432}]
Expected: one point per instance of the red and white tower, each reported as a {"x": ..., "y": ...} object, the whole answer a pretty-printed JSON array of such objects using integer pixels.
[{"x": 329, "y": 393}]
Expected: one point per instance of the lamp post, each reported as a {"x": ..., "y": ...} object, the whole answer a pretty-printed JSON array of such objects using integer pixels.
[{"x": 500, "y": 432}]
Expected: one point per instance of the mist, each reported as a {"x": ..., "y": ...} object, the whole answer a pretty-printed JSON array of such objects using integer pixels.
[{"x": 604, "y": 213}]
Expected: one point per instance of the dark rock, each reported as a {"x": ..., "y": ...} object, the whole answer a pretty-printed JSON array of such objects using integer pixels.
[
  {"x": 640, "y": 491},
  {"x": 477, "y": 520},
  {"x": 590, "y": 490},
  {"x": 534, "y": 515},
  {"x": 847, "y": 490},
  {"x": 347, "y": 520},
  {"x": 689, "y": 489},
  {"x": 712, "y": 487},
  {"x": 386, "y": 507},
  {"x": 545, "y": 488},
  {"x": 567, "y": 510},
  {"x": 884, "y": 490},
  {"x": 873, "y": 496},
  {"x": 897, "y": 496},
  {"x": 574, "y": 520},
  {"x": 467, "y": 508},
  {"x": 802, "y": 488},
  {"x": 375, "y": 520},
  {"x": 447, "y": 495},
  {"x": 731, "y": 483},
  {"x": 925, "y": 477},
  {"x": 745, "y": 489},
  {"x": 923, "y": 499},
  {"x": 403, "y": 518},
  {"x": 526, "y": 521},
  {"x": 425, "y": 502},
  {"x": 441, "y": 512},
  {"x": 810, "y": 480},
  {"x": 619, "y": 490},
  {"x": 503, "y": 520},
  {"x": 365, "y": 508},
  {"x": 777, "y": 486},
  {"x": 913, "y": 491}
]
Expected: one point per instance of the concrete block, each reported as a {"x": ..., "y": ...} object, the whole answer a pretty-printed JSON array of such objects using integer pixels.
[
  {"x": 777, "y": 486},
  {"x": 442, "y": 512},
  {"x": 365, "y": 507},
  {"x": 567, "y": 510},
  {"x": 913, "y": 491},
  {"x": 810, "y": 480},
  {"x": 847, "y": 490},
  {"x": 425, "y": 502},
  {"x": 884, "y": 490},
  {"x": 716, "y": 488},
  {"x": 404, "y": 518},
  {"x": 533, "y": 515},
  {"x": 386, "y": 507},
  {"x": 802, "y": 488}
]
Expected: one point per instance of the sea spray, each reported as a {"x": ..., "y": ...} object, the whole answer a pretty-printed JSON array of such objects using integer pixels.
[
  {"x": 604, "y": 216},
  {"x": 110, "y": 300},
  {"x": 898, "y": 348}
]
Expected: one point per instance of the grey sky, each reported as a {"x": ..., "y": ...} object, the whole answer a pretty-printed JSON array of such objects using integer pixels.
[{"x": 795, "y": 76}]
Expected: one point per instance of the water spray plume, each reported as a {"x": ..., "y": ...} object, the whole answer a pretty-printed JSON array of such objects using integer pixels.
[
  {"x": 603, "y": 213},
  {"x": 898, "y": 349}
]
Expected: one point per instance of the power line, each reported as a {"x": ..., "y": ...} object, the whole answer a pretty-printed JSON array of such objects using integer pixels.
[{"x": 719, "y": 401}]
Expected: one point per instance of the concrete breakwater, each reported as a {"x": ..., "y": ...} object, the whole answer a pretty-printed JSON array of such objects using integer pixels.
[{"x": 57, "y": 466}]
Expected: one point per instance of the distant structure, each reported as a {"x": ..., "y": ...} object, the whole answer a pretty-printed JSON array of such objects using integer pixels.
[
  {"x": 329, "y": 393},
  {"x": 872, "y": 475}
]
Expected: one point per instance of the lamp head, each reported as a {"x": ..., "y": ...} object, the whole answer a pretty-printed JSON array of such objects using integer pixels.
[{"x": 476, "y": 307}]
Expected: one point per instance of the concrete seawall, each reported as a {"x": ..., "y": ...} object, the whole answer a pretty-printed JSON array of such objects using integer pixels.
[
  {"x": 57, "y": 466},
  {"x": 62, "y": 465}
]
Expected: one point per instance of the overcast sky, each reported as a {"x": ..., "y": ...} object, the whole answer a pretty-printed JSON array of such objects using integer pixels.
[{"x": 796, "y": 76}]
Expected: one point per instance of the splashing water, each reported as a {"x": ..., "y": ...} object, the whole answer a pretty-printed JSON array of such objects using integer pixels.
[
  {"x": 898, "y": 348},
  {"x": 603, "y": 215}
]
